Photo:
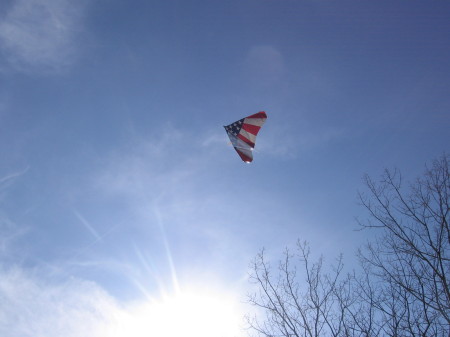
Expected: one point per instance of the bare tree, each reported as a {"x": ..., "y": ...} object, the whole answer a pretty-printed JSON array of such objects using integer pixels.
[
  {"x": 412, "y": 255},
  {"x": 403, "y": 288},
  {"x": 298, "y": 307}
]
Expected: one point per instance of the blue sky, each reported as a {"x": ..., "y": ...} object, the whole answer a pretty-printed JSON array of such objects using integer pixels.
[{"x": 117, "y": 183}]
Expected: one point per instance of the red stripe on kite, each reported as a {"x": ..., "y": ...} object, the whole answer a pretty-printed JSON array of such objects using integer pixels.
[
  {"x": 244, "y": 139},
  {"x": 243, "y": 156},
  {"x": 253, "y": 129},
  {"x": 260, "y": 114}
]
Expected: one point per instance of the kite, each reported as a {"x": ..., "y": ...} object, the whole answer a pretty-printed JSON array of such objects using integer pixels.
[{"x": 242, "y": 134}]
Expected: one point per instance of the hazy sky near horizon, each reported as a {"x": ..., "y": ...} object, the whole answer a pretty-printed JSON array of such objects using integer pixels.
[{"x": 117, "y": 182}]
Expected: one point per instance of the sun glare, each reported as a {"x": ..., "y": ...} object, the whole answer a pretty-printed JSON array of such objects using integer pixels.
[{"x": 183, "y": 315}]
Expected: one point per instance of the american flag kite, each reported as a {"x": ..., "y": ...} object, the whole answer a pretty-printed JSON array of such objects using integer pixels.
[{"x": 242, "y": 134}]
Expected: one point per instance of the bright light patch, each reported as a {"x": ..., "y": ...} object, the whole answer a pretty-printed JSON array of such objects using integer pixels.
[{"x": 187, "y": 315}]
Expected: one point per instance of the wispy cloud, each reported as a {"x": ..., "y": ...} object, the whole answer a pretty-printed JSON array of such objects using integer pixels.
[
  {"x": 287, "y": 141},
  {"x": 9, "y": 233},
  {"x": 265, "y": 65},
  {"x": 216, "y": 138},
  {"x": 35, "y": 304},
  {"x": 88, "y": 226},
  {"x": 157, "y": 180},
  {"x": 148, "y": 162},
  {"x": 5, "y": 179},
  {"x": 40, "y": 35}
]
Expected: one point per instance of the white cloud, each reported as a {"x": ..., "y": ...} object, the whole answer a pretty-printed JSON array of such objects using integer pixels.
[
  {"x": 32, "y": 306},
  {"x": 40, "y": 35},
  {"x": 35, "y": 305}
]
